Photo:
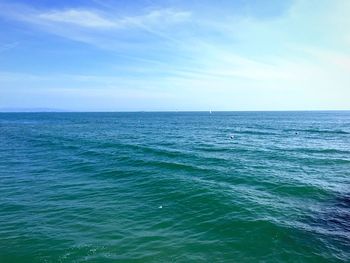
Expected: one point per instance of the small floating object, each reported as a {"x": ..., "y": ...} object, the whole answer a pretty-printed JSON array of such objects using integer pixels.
[
  {"x": 160, "y": 207},
  {"x": 231, "y": 136}
]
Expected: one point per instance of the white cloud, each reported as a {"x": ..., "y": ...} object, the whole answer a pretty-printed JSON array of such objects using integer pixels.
[
  {"x": 82, "y": 18},
  {"x": 93, "y": 19},
  {"x": 160, "y": 17}
]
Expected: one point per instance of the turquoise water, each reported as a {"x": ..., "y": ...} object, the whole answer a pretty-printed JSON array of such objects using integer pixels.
[{"x": 175, "y": 187}]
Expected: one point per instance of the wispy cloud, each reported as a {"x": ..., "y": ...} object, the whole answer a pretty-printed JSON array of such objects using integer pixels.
[
  {"x": 82, "y": 18},
  {"x": 103, "y": 28},
  {"x": 93, "y": 19}
]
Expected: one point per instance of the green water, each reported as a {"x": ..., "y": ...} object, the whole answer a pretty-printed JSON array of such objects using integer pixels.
[{"x": 175, "y": 187}]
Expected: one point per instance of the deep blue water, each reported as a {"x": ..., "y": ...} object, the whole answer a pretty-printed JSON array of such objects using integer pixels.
[{"x": 175, "y": 187}]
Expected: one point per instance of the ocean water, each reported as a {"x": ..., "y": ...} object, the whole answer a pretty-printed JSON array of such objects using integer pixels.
[{"x": 175, "y": 187}]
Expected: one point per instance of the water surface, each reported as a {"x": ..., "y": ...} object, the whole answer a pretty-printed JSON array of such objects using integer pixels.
[{"x": 175, "y": 187}]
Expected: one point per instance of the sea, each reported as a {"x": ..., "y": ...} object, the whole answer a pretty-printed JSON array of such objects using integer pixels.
[{"x": 175, "y": 187}]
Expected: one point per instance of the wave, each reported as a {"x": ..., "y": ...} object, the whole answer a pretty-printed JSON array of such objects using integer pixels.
[
  {"x": 318, "y": 131},
  {"x": 256, "y": 132},
  {"x": 313, "y": 150}
]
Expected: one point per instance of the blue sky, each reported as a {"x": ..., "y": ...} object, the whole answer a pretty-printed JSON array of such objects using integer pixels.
[{"x": 106, "y": 55}]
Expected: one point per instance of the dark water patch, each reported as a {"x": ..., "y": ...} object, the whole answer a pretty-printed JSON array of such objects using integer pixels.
[
  {"x": 343, "y": 201},
  {"x": 334, "y": 219}
]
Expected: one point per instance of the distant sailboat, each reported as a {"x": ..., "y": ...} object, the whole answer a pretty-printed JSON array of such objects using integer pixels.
[{"x": 210, "y": 111}]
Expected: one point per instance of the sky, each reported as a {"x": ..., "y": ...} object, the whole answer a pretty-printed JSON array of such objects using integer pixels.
[{"x": 165, "y": 55}]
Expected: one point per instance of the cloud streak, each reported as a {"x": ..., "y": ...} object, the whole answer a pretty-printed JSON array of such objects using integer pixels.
[
  {"x": 92, "y": 19},
  {"x": 82, "y": 18}
]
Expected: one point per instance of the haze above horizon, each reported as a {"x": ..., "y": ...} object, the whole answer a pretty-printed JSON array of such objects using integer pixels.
[{"x": 173, "y": 55}]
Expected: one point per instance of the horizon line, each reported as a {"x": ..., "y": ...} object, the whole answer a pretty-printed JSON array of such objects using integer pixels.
[{"x": 162, "y": 111}]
